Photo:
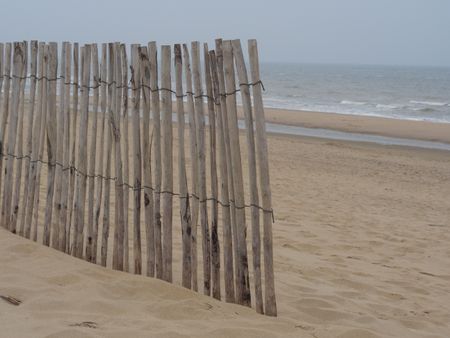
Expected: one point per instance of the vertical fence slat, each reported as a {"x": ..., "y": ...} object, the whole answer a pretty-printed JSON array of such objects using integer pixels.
[
  {"x": 19, "y": 150},
  {"x": 38, "y": 141},
  {"x": 125, "y": 154},
  {"x": 200, "y": 123},
  {"x": 155, "y": 108},
  {"x": 194, "y": 205},
  {"x": 137, "y": 159},
  {"x": 82, "y": 154},
  {"x": 186, "y": 274},
  {"x": 63, "y": 230},
  {"x": 107, "y": 159},
  {"x": 266, "y": 195},
  {"x": 243, "y": 290},
  {"x": 92, "y": 156},
  {"x": 226, "y": 135},
  {"x": 30, "y": 132},
  {"x": 223, "y": 168},
  {"x": 5, "y": 113},
  {"x": 100, "y": 152},
  {"x": 167, "y": 178},
  {"x": 254, "y": 196},
  {"x": 12, "y": 131},
  {"x": 215, "y": 245},
  {"x": 147, "y": 156},
  {"x": 51, "y": 142},
  {"x": 59, "y": 152},
  {"x": 74, "y": 134},
  {"x": 116, "y": 129}
]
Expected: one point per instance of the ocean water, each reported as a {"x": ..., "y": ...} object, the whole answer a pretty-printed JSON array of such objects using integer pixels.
[{"x": 401, "y": 92}]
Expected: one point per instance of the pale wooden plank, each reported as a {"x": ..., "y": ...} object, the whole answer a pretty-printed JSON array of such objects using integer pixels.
[
  {"x": 107, "y": 159},
  {"x": 31, "y": 131},
  {"x": 51, "y": 143},
  {"x": 60, "y": 122},
  {"x": 5, "y": 111},
  {"x": 243, "y": 288},
  {"x": 137, "y": 159},
  {"x": 194, "y": 205},
  {"x": 18, "y": 63},
  {"x": 41, "y": 142},
  {"x": 264, "y": 179},
  {"x": 252, "y": 174},
  {"x": 74, "y": 137},
  {"x": 116, "y": 129},
  {"x": 80, "y": 196},
  {"x": 215, "y": 245},
  {"x": 92, "y": 153},
  {"x": 201, "y": 150},
  {"x": 19, "y": 147},
  {"x": 155, "y": 108},
  {"x": 185, "y": 215},
  {"x": 63, "y": 240},
  {"x": 125, "y": 155},
  {"x": 224, "y": 118},
  {"x": 224, "y": 184},
  {"x": 37, "y": 137},
  {"x": 147, "y": 156},
  {"x": 100, "y": 152},
  {"x": 167, "y": 177}
]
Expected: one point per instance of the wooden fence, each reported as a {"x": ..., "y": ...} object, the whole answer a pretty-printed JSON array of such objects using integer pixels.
[{"x": 89, "y": 144}]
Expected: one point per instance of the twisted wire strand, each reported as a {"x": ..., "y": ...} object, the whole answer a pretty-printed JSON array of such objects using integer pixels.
[{"x": 133, "y": 188}]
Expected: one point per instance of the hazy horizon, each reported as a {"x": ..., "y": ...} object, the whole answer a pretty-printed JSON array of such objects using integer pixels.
[{"x": 383, "y": 32}]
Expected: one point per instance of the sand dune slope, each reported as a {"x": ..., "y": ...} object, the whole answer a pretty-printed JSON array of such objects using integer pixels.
[{"x": 62, "y": 295}]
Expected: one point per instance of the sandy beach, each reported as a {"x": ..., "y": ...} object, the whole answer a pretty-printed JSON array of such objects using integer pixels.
[{"x": 360, "y": 243}]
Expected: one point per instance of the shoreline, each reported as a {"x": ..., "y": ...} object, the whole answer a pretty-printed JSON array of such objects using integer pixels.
[{"x": 406, "y": 129}]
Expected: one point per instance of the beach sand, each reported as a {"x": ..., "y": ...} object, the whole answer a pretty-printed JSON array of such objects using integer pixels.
[{"x": 361, "y": 248}]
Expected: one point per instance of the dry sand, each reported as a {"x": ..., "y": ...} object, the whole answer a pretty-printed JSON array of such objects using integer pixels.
[{"x": 360, "y": 242}]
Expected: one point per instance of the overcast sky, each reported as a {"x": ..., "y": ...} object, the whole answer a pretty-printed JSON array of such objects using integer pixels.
[{"x": 399, "y": 32}]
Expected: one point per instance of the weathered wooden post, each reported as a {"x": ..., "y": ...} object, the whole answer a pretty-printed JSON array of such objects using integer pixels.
[
  {"x": 252, "y": 175},
  {"x": 243, "y": 290},
  {"x": 115, "y": 125},
  {"x": 31, "y": 127},
  {"x": 201, "y": 150},
  {"x": 74, "y": 137},
  {"x": 167, "y": 177},
  {"x": 215, "y": 247},
  {"x": 226, "y": 135},
  {"x": 137, "y": 158},
  {"x": 100, "y": 154},
  {"x": 19, "y": 148},
  {"x": 92, "y": 147},
  {"x": 18, "y": 63},
  {"x": 147, "y": 156},
  {"x": 266, "y": 195},
  {"x": 63, "y": 230},
  {"x": 194, "y": 204},
  {"x": 223, "y": 167},
  {"x": 82, "y": 154},
  {"x": 185, "y": 215},
  {"x": 107, "y": 159},
  {"x": 125, "y": 154},
  {"x": 5, "y": 113},
  {"x": 155, "y": 108}
]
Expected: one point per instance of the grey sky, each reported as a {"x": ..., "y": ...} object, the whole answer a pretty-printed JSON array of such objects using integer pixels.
[{"x": 411, "y": 32}]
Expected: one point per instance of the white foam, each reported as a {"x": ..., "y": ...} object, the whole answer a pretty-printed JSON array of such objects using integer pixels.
[
  {"x": 430, "y": 103},
  {"x": 354, "y": 103},
  {"x": 386, "y": 106}
]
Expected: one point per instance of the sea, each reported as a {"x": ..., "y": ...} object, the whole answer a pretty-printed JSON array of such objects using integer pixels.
[{"x": 399, "y": 92}]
